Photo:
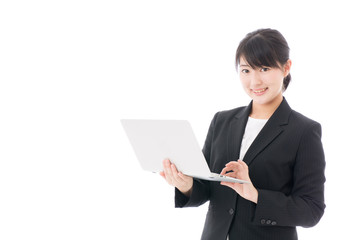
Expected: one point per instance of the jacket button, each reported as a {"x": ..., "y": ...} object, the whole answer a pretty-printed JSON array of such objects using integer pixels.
[
  {"x": 268, "y": 222},
  {"x": 231, "y": 211},
  {"x": 274, "y": 223},
  {"x": 262, "y": 221}
]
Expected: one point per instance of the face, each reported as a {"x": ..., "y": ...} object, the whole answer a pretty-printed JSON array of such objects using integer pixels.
[{"x": 264, "y": 85}]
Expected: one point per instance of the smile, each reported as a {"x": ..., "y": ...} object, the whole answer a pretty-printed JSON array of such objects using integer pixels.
[{"x": 260, "y": 90}]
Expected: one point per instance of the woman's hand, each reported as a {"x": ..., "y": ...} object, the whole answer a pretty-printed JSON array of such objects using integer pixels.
[
  {"x": 175, "y": 178},
  {"x": 240, "y": 171}
]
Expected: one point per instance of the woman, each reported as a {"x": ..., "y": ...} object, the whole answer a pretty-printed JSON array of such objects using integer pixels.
[{"x": 266, "y": 143}]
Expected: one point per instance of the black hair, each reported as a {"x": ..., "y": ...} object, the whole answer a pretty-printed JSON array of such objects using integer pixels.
[{"x": 264, "y": 47}]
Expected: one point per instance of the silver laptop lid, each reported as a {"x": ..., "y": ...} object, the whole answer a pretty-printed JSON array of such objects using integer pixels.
[{"x": 155, "y": 140}]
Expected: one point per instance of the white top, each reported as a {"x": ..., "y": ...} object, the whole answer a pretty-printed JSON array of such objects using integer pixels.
[{"x": 253, "y": 127}]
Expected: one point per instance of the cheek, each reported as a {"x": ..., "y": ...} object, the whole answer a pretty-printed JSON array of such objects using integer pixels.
[
  {"x": 275, "y": 80},
  {"x": 244, "y": 82}
]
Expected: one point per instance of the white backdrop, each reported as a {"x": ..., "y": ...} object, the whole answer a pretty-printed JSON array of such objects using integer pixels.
[{"x": 70, "y": 70}]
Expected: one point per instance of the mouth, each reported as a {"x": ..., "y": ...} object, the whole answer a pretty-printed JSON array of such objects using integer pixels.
[{"x": 259, "y": 91}]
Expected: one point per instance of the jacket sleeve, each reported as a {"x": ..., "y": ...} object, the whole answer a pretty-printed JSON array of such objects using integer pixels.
[
  {"x": 201, "y": 188},
  {"x": 305, "y": 205}
]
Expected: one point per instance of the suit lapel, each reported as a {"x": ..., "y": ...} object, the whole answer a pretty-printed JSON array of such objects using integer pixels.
[
  {"x": 237, "y": 128},
  {"x": 272, "y": 129},
  {"x": 265, "y": 137}
]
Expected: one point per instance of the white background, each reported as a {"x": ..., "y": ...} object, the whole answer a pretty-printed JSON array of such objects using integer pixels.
[{"x": 70, "y": 70}]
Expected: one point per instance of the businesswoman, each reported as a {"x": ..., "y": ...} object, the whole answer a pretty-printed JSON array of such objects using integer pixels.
[{"x": 266, "y": 143}]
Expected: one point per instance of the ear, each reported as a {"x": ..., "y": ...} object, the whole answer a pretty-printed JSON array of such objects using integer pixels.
[{"x": 287, "y": 67}]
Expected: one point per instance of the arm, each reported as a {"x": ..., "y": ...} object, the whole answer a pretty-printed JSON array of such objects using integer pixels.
[
  {"x": 305, "y": 205},
  {"x": 200, "y": 192}
]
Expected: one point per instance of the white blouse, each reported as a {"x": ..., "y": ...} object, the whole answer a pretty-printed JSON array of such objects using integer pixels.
[{"x": 252, "y": 129}]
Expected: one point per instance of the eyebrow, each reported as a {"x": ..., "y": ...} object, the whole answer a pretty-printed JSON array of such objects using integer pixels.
[{"x": 244, "y": 65}]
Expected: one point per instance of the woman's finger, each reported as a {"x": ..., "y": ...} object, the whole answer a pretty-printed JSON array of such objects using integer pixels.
[
  {"x": 228, "y": 167},
  {"x": 234, "y": 166},
  {"x": 231, "y": 163},
  {"x": 223, "y": 171},
  {"x": 175, "y": 174},
  {"x": 231, "y": 174},
  {"x": 173, "y": 169},
  {"x": 167, "y": 167},
  {"x": 186, "y": 179},
  {"x": 168, "y": 172},
  {"x": 183, "y": 177},
  {"x": 244, "y": 165}
]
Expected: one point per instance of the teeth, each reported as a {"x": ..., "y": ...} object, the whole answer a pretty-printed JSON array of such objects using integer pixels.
[{"x": 260, "y": 91}]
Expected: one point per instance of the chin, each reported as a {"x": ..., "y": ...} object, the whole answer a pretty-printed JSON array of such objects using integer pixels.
[
  {"x": 265, "y": 99},
  {"x": 260, "y": 101}
]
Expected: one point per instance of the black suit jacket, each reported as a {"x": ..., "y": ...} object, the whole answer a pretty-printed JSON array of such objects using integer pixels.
[{"x": 286, "y": 165}]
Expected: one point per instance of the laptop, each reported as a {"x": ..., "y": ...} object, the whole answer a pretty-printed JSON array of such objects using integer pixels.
[{"x": 155, "y": 140}]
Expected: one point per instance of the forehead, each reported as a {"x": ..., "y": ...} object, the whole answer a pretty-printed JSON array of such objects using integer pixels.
[
  {"x": 243, "y": 63},
  {"x": 254, "y": 65}
]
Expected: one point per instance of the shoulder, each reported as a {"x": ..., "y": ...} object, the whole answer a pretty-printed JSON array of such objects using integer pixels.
[
  {"x": 301, "y": 120},
  {"x": 303, "y": 126},
  {"x": 225, "y": 116},
  {"x": 231, "y": 112}
]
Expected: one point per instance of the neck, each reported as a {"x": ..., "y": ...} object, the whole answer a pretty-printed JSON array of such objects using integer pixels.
[{"x": 265, "y": 111}]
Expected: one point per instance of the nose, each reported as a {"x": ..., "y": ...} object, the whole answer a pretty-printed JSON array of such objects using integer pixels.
[{"x": 256, "y": 79}]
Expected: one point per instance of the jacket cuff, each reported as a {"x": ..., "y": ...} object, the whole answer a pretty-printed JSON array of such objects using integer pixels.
[
  {"x": 198, "y": 196},
  {"x": 180, "y": 199},
  {"x": 264, "y": 215}
]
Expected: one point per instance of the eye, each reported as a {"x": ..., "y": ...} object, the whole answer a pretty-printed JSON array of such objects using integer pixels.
[
  {"x": 245, "y": 71},
  {"x": 264, "y": 69}
]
